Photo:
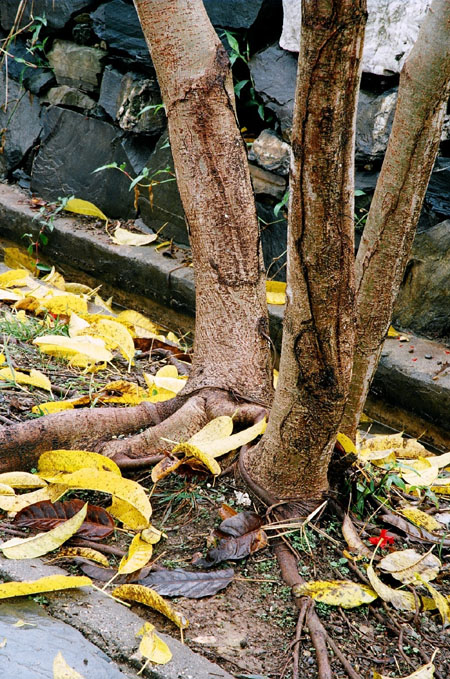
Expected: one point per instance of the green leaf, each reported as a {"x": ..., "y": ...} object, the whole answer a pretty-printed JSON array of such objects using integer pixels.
[{"x": 239, "y": 86}]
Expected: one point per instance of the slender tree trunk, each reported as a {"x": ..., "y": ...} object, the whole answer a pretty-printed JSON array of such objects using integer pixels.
[
  {"x": 397, "y": 202},
  {"x": 317, "y": 350},
  {"x": 231, "y": 349}
]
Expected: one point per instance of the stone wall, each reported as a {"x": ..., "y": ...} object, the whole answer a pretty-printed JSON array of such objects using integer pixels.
[{"x": 81, "y": 93}]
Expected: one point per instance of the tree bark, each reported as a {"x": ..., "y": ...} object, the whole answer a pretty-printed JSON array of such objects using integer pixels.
[
  {"x": 231, "y": 348},
  {"x": 317, "y": 350},
  {"x": 397, "y": 202}
]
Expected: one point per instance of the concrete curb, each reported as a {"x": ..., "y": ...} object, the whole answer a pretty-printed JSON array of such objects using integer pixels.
[
  {"x": 111, "y": 626},
  {"x": 153, "y": 279}
]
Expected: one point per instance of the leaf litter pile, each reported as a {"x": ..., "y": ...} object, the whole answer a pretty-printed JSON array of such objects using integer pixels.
[{"x": 181, "y": 541}]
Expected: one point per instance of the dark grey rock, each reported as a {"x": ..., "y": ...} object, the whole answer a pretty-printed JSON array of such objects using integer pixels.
[
  {"x": 274, "y": 73},
  {"x": 34, "y": 79},
  {"x": 438, "y": 192},
  {"x": 167, "y": 206},
  {"x": 76, "y": 65},
  {"x": 271, "y": 153},
  {"x": 423, "y": 303},
  {"x": 267, "y": 183},
  {"x": 69, "y": 96},
  {"x": 234, "y": 13},
  {"x": 124, "y": 96},
  {"x": 21, "y": 122},
  {"x": 118, "y": 25},
  {"x": 373, "y": 124},
  {"x": 30, "y": 650},
  {"x": 72, "y": 147},
  {"x": 274, "y": 241},
  {"x": 57, "y": 13}
]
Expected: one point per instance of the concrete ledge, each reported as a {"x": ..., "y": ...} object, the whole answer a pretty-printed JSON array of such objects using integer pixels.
[
  {"x": 143, "y": 274},
  {"x": 110, "y": 626}
]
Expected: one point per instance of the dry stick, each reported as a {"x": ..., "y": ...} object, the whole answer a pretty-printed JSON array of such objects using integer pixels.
[{"x": 298, "y": 633}]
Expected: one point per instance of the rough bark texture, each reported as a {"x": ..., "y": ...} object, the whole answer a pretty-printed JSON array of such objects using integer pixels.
[
  {"x": 395, "y": 209},
  {"x": 317, "y": 350},
  {"x": 231, "y": 335}
]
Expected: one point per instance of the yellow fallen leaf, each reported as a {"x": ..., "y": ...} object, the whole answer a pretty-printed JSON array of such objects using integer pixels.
[
  {"x": 442, "y": 603},
  {"x": 157, "y": 394},
  {"x": 84, "y": 207},
  {"x": 54, "y": 278},
  {"x": 221, "y": 446},
  {"x": 423, "y": 473},
  {"x": 52, "y": 407},
  {"x": 22, "y": 480},
  {"x": 65, "y": 304},
  {"x": 275, "y": 378},
  {"x": 114, "y": 334},
  {"x": 405, "y": 565},
  {"x": 6, "y": 490},
  {"x": 346, "y": 443},
  {"x": 218, "y": 428},
  {"x": 152, "y": 647},
  {"x": 14, "y": 277},
  {"x": 79, "y": 289},
  {"x": 10, "y": 296},
  {"x": 50, "y": 583},
  {"x": 400, "y": 599},
  {"x": 439, "y": 461},
  {"x": 149, "y": 597},
  {"x": 441, "y": 489},
  {"x": 85, "y": 552},
  {"x": 38, "y": 545},
  {"x": 192, "y": 451},
  {"x": 76, "y": 324},
  {"x": 18, "y": 502},
  {"x": 275, "y": 292},
  {"x": 126, "y": 490},
  {"x": 80, "y": 351},
  {"x": 341, "y": 593},
  {"x": 61, "y": 670},
  {"x": 377, "y": 457},
  {"x": 392, "y": 332},
  {"x": 15, "y": 258},
  {"x": 124, "y": 237},
  {"x": 122, "y": 392},
  {"x": 152, "y": 535},
  {"x": 166, "y": 378},
  {"x": 34, "y": 378},
  {"x": 424, "y": 672},
  {"x": 139, "y": 554},
  {"x": 139, "y": 321},
  {"x": 53, "y": 462},
  {"x": 104, "y": 304},
  {"x": 421, "y": 519}
]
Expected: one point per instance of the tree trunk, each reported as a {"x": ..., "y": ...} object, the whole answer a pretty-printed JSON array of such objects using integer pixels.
[
  {"x": 317, "y": 350},
  {"x": 231, "y": 349},
  {"x": 397, "y": 202}
]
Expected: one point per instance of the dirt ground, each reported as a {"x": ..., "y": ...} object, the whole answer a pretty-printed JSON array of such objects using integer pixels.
[{"x": 249, "y": 627}]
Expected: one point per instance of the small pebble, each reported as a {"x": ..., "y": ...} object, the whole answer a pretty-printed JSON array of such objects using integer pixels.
[
  {"x": 411, "y": 351},
  {"x": 428, "y": 356}
]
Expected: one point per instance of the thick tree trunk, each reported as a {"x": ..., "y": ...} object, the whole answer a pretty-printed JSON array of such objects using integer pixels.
[
  {"x": 231, "y": 349},
  {"x": 389, "y": 232},
  {"x": 317, "y": 351}
]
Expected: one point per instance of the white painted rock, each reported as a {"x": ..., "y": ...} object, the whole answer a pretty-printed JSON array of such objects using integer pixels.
[{"x": 391, "y": 31}]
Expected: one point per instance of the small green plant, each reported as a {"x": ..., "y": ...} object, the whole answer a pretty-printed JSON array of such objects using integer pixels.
[
  {"x": 28, "y": 328},
  {"x": 283, "y": 203},
  {"x": 144, "y": 175},
  {"x": 46, "y": 220}
]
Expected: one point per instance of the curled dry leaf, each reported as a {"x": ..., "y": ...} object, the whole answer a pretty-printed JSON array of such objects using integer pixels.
[
  {"x": 152, "y": 647},
  {"x": 51, "y": 583},
  {"x": 414, "y": 532},
  {"x": 194, "y": 585},
  {"x": 233, "y": 549},
  {"x": 424, "y": 672},
  {"x": 45, "y": 515},
  {"x": 38, "y": 545},
  {"x": 124, "y": 237},
  {"x": 341, "y": 593},
  {"x": 241, "y": 523},
  {"x": 407, "y": 564},
  {"x": 442, "y": 603},
  {"x": 150, "y": 598},
  {"x": 61, "y": 670},
  {"x": 139, "y": 554},
  {"x": 22, "y": 480},
  {"x": 354, "y": 542},
  {"x": 84, "y": 553},
  {"x": 400, "y": 599}
]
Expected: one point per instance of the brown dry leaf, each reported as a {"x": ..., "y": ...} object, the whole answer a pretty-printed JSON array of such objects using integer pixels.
[
  {"x": 165, "y": 467},
  {"x": 414, "y": 532},
  {"x": 354, "y": 542},
  {"x": 193, "y": 585},
  {"x": 149, "y": 597},
  {"x": 341, "y": 593},
  {"x": 407, "y": 564},
  {"x": 233, "y": 549}
]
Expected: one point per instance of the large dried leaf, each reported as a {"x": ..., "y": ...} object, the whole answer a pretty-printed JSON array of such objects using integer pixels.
[
  {"x": 150, "y": 598},
  {"x": 34, "y": 378},
  {"x": 131, "y": 495},
  {"x": 114, "y": 334},
  {"x": 79, "y": 351},
  {"x": 442, "y": 603},
  {"x": 84, "y": 553},
  {"x": 423, "y": 473},
  {"x": 17, "y": 502},
  {"x": 61, "y": 670},
  {"x": 139, "y": 554},
  {"x": 346, "y": 443},
  {"x": 16, "y": 258},
  {"x": 6, "y": 490},
  {"x": 13, "y": 278},
  {"x": 405, "y": 565},
  {"x": 46, "y": 515},
  {"x": 64, "y": 305},
  {"x": 421, "y": 519},
  {"x": 341, "y": 593},
  {"x": 233, "y": 549},
  {"x": 50, "y": 583},
  {"x": 124, "y": 237},
  {"x": 194, "y": 585},
  {"x": 139, "y": 321},
  {"x": 405, "y": 601},
  {"x": 38, "y": 545},
  {"x": 354, "y": 542},
  {"x": 53, "y": 462},
  {"x": 241, "y": 523},
  {"x": 402, "y": 447},
  {"x": 152, "y": 647},
  {"x": 424, "y": 672},
  {"x": 414, "y": 532},
  {"x": 192, "y": 451}
]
